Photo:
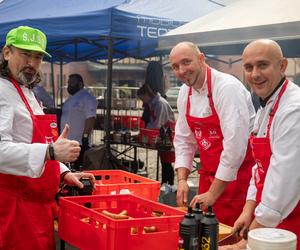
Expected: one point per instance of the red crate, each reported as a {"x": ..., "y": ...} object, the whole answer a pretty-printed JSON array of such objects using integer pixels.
[
  {"x": 88, "y": 229},
  {"x": 117, "y": 122},
  {"x": 113, "y": 181},
  {"x": 149, "y": 136},
  {"x": 132, "y": 122}
]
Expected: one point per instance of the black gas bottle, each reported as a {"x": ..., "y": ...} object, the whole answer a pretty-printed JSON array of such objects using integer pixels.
[
  {"x": 198, "y": 216},
  {"x": 209, "y": 231},
  {"x": 188, "y": 232}
]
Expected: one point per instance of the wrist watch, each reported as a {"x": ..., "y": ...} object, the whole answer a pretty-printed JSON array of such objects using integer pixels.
[{"x": 85, "y": 135}]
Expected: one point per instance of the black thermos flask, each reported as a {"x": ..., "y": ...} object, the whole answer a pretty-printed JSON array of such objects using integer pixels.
[
  {"x": 188, "y": 232},
  {"x": 198, "y": 216},
  {"x": 209, "y": 231}
]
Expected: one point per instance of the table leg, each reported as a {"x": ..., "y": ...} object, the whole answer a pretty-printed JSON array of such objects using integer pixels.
[
  {"x": 135, "y": 154},
  {"x": 157, "y": 165}
]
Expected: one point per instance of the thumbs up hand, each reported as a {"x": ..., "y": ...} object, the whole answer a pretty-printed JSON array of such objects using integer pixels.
[
  {"x": 65, "y": 132},
  {"x": 66, "y": 150}
]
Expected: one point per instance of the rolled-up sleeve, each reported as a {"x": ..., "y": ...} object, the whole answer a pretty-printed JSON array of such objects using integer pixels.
[
  {"x": 235, "y": 119},
  {"x": 251, "y": 194}
]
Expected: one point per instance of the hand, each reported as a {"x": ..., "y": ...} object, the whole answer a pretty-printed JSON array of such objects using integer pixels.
[
  {"x": 241, "y": 225},
  {"x": 182, "y": 193},
  {"x": 66, "y": 150},
  {"x": 206, "y": 199},
  {"x": 241, "y": 245},
  {"x": 72, "y": 179}
]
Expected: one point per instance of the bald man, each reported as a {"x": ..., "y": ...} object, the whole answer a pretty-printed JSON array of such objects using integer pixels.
[
  {"x": 216, "y": 116},
  {"x": 273, "y": 194}
]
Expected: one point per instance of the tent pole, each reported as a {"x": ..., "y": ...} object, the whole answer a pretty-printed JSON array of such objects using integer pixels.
[
  {"x": 61, "y": 82},
  {"x": 109, "y": 94},
  {"x": 53, "y": 84}
]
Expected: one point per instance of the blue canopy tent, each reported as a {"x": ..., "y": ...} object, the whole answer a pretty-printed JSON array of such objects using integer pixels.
[{"x": 79, "y": 30}]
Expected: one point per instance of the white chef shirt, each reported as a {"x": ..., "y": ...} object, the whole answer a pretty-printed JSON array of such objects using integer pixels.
[
  {"x": 281, "y": 191},
  {"x": 18, "y": 156},
  {"x": 162, "y": 111},
  {"x": 236, "y": 113},
  {"x": 76, "y": 110}
]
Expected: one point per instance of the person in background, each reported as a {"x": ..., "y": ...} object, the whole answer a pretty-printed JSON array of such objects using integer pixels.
[
  {"x": 161, "y": 115},
  {"x": 42, "y": 96},
  {"x": 79, "y": 111},
  {"x": 273, "y": 194},
  {"x": 155, "y": 80},
  {"x": 215, "y": 114},
  {"x": 31, "y": 151}
]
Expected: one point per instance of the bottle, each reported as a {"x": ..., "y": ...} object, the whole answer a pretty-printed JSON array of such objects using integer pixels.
[
  {"x": 198, "y": 216},
  {"x": 188, "y": 232},
  {"x": 162, "y": 135},
  {"x": 209, "y": 231}
]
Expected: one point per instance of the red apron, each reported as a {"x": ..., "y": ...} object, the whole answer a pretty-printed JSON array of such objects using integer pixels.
[
  {"x": 26, "y": 204},
  {"x": 209, "y": 137},
  {"x": 262, "y": 154}
]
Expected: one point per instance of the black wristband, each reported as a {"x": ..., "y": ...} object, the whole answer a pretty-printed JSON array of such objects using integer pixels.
[{"x": 51, "y": 151}]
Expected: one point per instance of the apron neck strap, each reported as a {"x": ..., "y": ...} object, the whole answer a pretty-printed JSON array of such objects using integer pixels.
[
  {"x": 17, "y": 86},
  {"x": 209, "y": 90},
  {"x": 274, "y": 109},
  {"x": 209, "y": 94}
]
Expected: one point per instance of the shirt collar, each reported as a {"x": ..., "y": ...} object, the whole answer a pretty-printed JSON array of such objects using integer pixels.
[
  {"x": 263, "y": 102},
  {"x": 203, "y": 85}
]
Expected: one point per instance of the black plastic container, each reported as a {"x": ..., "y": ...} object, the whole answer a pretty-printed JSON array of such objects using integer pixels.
[
  {"x": 209, "y": 231},
  {"x": 198, "y": 216},
  {"x": 75, "y": 191},
  {"x": 87, "y": 187},
  {"x": 188, "y": 232}
]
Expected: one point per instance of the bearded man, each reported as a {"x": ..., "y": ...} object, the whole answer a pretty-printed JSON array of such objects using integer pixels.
[{"x": 31, "y": 151}]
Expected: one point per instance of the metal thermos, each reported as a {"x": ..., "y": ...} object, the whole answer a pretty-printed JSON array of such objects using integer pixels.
[
  {"x": 188, "y": 232},
  {"x": 209, "y": 231}
]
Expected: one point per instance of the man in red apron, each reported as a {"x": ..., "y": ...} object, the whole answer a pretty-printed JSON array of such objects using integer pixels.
[
  {"x": 216, "y": 116},
  {"x": 273, "y": 195},
  {"x": 30, "y": 148}
]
